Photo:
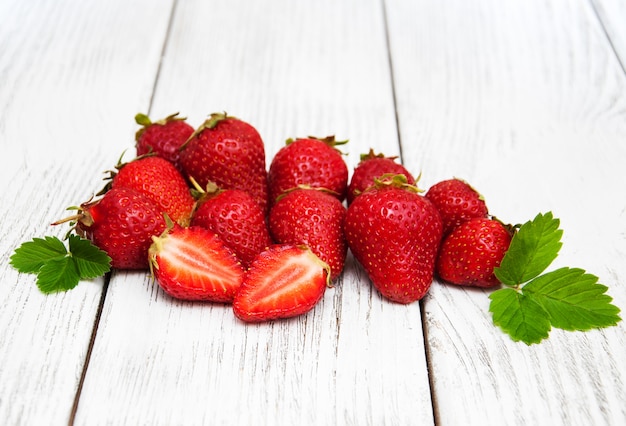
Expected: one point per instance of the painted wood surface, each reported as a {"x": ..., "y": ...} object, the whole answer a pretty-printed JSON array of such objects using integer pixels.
[
  {"x": 524, "y": 99},
  {"x": 72, "y": 76},
  {"x": 612, "y": 14}
]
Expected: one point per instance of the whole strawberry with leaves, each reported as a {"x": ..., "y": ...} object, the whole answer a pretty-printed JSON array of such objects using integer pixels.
[
  {"x": 395, "y": 234},
  {"x": 312, "y": 217},
  {"x": 311, "y": 161},
  {"x": 236, "y": 218},
  {"x": 159, "y": 180},
  {"x": 457, "y": 202},
  {"x": 472, "y": 250},
  {"x": 229, "y": 152},
  {"x": 162, "y": 137},
  {"x": 372, "y": 166},
  {"x": 121, "y": 223}
]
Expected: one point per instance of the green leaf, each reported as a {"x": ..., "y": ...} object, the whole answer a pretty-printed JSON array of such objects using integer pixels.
[
  {"x": 32, "y": 255},
  {"x": 91, "y": 262},
  {"x": 58, "y": 268},
  {"x": 574, "y": 299},
  {"x": 58, "y": 275},
  {"x": 533, "y": 248},
  {"x": 518, "y": 315}
]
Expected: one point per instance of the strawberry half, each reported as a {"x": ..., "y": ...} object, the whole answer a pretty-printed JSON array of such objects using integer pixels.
[
  {"x": 283, "y": 281},
  {"x": 194, "y": 264}
]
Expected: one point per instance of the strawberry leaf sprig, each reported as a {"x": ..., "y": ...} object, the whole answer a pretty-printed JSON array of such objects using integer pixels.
[
  {"x": 59, "y": 267},
  {"x": 532, "y": 302}
]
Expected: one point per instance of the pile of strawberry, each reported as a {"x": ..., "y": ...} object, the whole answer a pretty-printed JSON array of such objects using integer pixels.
[{"x": 200, "y": 209}]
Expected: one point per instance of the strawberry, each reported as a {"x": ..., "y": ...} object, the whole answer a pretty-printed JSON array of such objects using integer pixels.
[
  {"x": 163, "y": 137},
  {"x": 121, "y": 223},
  {"x": 374, "y": 166},
  {"x": 229, "y": 152},
  {"x": 314, "y": 218},
  {"x": 283, "y": 281},
  {"x": 395, "y": 233},
  {"x": 311, "y": 161},
  {"x": 194, "y": 264},
  {"x": 457, "y": 202},
  {"x": 158, "y": 180},
  {"x": 469, "y": 254},
  {"x": 236, "y": 218}
]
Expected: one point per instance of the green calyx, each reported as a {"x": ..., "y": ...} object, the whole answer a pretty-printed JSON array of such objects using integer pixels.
[
  {"x": 371, "y": 155},
  {"x": 201, "y": 194},
  {"x": 210, "y": 123},
  {"x": 144, "y": 121},
  {"x": 306, "y": 187},
  {"x": 328, "y": 140},
  {"x": 395, "y": 181}
]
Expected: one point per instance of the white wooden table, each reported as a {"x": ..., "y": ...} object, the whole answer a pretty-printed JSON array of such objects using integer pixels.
[{"x": 526, "y": 99}]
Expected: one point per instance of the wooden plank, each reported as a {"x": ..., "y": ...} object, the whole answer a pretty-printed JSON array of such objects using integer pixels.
[
  {"x": 526, "y": 101},
  {"x": 290, "y": 69},
  {"x": 70, "y": 85},
  {"x": 612, "y": 13}
]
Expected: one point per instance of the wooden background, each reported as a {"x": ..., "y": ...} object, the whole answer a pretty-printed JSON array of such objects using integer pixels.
[{"x": 526, "y": 99}]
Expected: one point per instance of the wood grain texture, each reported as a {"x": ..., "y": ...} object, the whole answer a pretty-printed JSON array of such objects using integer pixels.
[
  {"x": 526, "y": 101},
  {"x": 290, "y": 69},
  {"x": 612, "y": 13},
  {"x": 70, "y": 84}
]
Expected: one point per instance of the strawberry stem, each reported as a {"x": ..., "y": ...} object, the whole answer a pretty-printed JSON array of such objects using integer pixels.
[{"x": 371, "y": 155}]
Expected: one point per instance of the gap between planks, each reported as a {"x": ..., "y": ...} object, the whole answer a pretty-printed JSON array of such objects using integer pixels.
[
  {"x": 107, "y": 277},
  {"x": 616, "y": 53}
]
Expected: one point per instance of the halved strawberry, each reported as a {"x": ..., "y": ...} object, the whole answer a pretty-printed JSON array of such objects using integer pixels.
[
  {"x": 284, "y": 281},
  {"x": 194, "y": 264}
]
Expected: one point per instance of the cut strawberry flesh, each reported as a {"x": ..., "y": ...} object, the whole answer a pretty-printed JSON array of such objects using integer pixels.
[
  {"x": 194, "y": 264},
  {"x": 283, "y": 281}
]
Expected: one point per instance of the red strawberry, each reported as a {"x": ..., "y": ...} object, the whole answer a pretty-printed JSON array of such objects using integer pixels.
[
  {"x": 194, "y": 264},
  {"x": 469, "y": 254},
  {"x": 236, "y": 218},
  {"x": 311, "y": 161},
  {"x": 395, "y": 233},
  {"x": 457, "y": 202},
  {"x": 374, "y": 166},
  {"x": 283, "y": 281},
  {"x": 160, "y": 181},
  {"x": 229, "y": 152},
  {"x": 313, "y": 218},
  {"x": 121, "y": 223},
  {"x": 163, "y": 137}
]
